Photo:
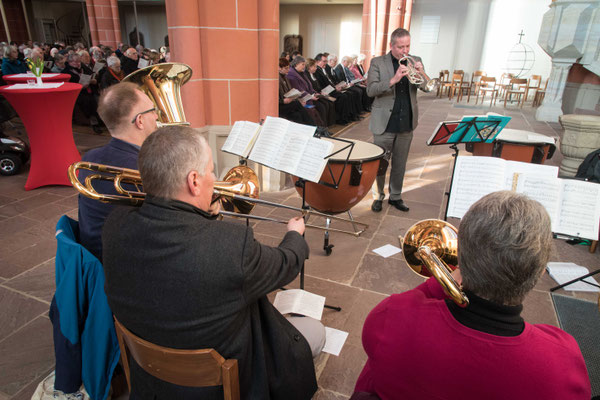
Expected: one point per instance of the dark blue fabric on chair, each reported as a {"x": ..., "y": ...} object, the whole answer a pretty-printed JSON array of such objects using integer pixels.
[{"x": 85, "y": 342}]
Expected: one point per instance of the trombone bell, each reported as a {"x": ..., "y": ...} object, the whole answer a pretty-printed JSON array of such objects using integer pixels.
[
  {"x": 430, "y": 248},
  {"x": 241, "y": 181}
]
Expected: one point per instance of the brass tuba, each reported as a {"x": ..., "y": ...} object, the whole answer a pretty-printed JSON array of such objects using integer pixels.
[
  {"x": 430, "y": 248},
  {"x": 162, "y": 83}
]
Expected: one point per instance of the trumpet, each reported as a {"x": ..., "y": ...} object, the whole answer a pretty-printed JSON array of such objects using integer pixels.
[
  {"x": 238, "y": 193},
  {"x": 430, "y": 248},
  {"x": 417, "y": 78}
]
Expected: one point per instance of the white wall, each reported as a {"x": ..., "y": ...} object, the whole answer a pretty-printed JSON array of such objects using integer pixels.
[
  {"x": 507, "y": 18},
  {"x": 152, "y": 21},
  {"x": 322, "y": 27}
]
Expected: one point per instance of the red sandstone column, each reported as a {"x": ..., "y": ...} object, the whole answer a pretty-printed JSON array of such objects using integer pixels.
[
  {"x": 268, "y": 54},
  {"x": 103, "y": 17},
  {"x": 380, "y": 18}
]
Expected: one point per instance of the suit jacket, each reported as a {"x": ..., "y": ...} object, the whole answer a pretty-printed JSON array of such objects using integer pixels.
[
  {"x": 323, "y": 79},
  {"x": 92, "y": 213},
  {"x": 331, "y": 74},
  {"x": 339, "y": 73},
  {"x": 177, "y": 277},
  {"x": 378, "y": 86}
]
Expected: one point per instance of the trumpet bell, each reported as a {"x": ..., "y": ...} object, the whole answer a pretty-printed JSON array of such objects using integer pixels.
[
  {"x": 241, "y": 181},
  {"x": 162, "y": 83},
  {"x": 439, "y": 236},
  {"x": 432, "y": 85}
]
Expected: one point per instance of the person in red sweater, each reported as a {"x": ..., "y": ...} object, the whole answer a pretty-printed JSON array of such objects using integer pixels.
[{"x": 420, "y": 345}]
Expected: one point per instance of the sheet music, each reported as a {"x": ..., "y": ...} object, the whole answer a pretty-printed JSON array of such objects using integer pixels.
[
  {"x": 301, "y": 302},
  {"x": 307, "y": 98},
  {"x": 522, "y": 168},
  {"x": 327, "y": 90},
  {"x": 292, "y": 94},
  {"x": 142, "y": 63},
  {"x": 98, "y": 66},
  {"x": 290, "y": 157},
  {"x": 579, "y": 209},
  {"x": 269, "y": 141},
  {"x": 84, "y": 80},
  {"x": 241, "y": 137},
  {"x": 474, "y": 177},
  {"x": 546, "y": 190},
  {"x": 312, "y": 162}
]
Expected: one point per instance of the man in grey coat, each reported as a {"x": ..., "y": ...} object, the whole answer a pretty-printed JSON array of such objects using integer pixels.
[
  {"x": 178, "y": 277},
  {"x": 394, "y": 114}
]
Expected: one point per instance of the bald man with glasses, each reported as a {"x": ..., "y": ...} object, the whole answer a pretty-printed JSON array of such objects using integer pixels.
[{"x": 130, "y": 117}]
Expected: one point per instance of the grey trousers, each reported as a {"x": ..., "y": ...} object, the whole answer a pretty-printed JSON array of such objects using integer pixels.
[
  {"x": 398, "y": 146},
  {"x": 312, "y": 330}
]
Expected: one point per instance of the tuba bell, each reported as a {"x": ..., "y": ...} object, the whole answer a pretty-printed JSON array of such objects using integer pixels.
[
  {"x": 162, "y": 84},
  {"x": 430, "y": 248}
]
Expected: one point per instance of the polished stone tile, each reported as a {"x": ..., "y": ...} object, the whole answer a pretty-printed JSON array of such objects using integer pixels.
[
  {"x": 17, "y": 310},
  {"x": 50, "y": 212},
  {"x": 23, "y": 260},
  {"x": 4, "y": 396},
  {"x": 16, "y": 224},
  {"x": 30, "y": 203},
  {"x": 38, "y": 282},
  {"x": 385, "y": 275},
  {"x": 341, "y": 265},
  {"x": 538, "y": 308},
  {"x": 26, "y": 356},
  {"x": 365, "y": 302},
  {"x": 323, "y": 394},
  {"x": 4, "y": 200},
  {"x": 341, "y": 372}
]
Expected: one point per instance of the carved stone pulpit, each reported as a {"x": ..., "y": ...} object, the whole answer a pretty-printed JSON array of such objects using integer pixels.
[{"x": 570, "y": 33}]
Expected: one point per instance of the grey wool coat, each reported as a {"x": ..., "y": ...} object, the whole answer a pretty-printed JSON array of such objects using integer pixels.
[
  {"x": 178, "y": 278},
  {"x": 378, "y": 86}
]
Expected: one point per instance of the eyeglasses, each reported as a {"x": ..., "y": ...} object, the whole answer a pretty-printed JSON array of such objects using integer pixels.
[{"x": 153, "y": 109}]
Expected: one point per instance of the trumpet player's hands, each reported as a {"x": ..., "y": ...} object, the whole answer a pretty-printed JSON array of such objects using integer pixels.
[
  {"x": 296, "y": 224},
  {"x": 419, "y": 66},
  {"x": 401, "y": 72}
]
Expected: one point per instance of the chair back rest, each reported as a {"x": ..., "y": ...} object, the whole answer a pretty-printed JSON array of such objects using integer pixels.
[
  {"x": 517, "y": 83},
  {"x": 535, "y": 81},
  {"x": 192, "y": 368},
  {"x": 458, "y": 71},
  {"x": 476, "y": 77},
  {"x": 488, "y": 81},
  {"x": 444, "y": 75},
  {"x": 457, "y": 78}
]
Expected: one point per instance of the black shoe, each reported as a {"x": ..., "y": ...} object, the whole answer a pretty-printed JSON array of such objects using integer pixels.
[
  {"x": 377, "y": 205},
  {"x": 97, "y": 129},
  {"x": 399, "y": 204}
]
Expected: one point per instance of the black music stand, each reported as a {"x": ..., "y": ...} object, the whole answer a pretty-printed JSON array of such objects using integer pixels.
[{"x": 473, "y": 130}]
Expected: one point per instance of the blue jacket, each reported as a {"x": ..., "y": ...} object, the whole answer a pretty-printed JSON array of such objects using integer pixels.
[
  {"x": 92, "y": 213},
  {"x": 85, "y": 342},
  {"x": 10, "y": 67}
]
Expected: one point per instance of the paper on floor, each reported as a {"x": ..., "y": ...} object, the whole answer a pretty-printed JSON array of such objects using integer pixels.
[
  {"x": 387, "y": 251},
  {"x": 334, "y": 341}
]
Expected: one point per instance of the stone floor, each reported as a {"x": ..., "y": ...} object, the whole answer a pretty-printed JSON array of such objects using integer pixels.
[{"x": 352, "y": 277}]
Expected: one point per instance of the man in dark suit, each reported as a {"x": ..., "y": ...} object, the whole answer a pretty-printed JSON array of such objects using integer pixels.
[
  {"x": 394, "y": 113},
  {"x": 179, "y": 277},
  {"x": 130, "y": 117}
]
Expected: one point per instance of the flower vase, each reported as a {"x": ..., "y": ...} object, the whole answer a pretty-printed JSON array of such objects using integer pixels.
[{"x": 38, "y": 81}]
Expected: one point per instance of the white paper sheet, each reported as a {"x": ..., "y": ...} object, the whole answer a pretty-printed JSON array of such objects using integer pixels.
[
  {"x": 387, "y": 251},
  {"x": 298, "y": 301},
  {"x": 49, "y": 85},
  {"x": 334, "y": 341},
  {"x": 563, "y": 272}
]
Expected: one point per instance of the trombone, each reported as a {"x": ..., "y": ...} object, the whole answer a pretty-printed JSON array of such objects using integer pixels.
[
  {"x": 237, "y": 193},
  {"x": 415, "y": 77},
  {"x": 430, "y": 248}
]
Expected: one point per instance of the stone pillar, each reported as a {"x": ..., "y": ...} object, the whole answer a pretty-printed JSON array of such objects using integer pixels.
[
  {"x": 581, "y": 137},
  {"x": 103, "y": 18},
  {"x": 232, "y": 47},
  {"x": 568, "y": 33},
  {"x": 380, "y": 18}
]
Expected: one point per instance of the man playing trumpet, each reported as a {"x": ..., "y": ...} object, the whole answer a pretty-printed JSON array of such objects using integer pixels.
[{"x": 394, "y": 113}]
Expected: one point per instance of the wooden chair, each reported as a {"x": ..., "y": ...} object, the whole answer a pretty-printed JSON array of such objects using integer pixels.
[
  {"x": 475, "y": 83},
  {"x": 533, "y": 84},
  {"x": 487, "y": 85},
  {"x": 193, "y": 368},
  {"x": 504, "y": 83},
  {"x": 516, "y": 87},
  {"x": 444, "y": 82},
  {"x": 539, "y": 95},
  {"x": 455, "y": 85}
]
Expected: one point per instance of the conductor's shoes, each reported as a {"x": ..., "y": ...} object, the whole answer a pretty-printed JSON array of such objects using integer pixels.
[
  {"x": 399, "y": 204},
  {"x": 377, "y": 205}
]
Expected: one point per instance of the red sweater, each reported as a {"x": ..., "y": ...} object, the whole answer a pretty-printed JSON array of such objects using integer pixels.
[{"x": 417, "y": 350}]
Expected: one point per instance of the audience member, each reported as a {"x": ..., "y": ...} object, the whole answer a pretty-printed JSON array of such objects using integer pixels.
[
  {"x": 112, "y": 74},
  {"x": 212, "y": 290},
  {"x": 345, "y": 109},
  {"x": 129, "y": 61},
  {"x": 291, "y": 109},
  {"x": 87, "y": 97},
  {"x": 297, "y": 67},
  {"x": 421, "y": 345},
  {"x": 315, "y": 89},
  {"x": 59, "y": 63},
  {"x": 130, "y": 118},
  {"x": 11, "y": 63}
]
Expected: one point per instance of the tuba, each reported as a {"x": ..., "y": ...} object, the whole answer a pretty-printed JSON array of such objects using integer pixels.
[
  {"x": 162, "y": 84},
  {"x": 430, "y": 248}
]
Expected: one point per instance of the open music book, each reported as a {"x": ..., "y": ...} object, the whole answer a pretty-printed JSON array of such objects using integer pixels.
[
  {"x": 292, "y": 94},
  {"x": 328, "y": 89},
  {"x": 280, "y": 144},
  {"x": 573, "y": 205}
]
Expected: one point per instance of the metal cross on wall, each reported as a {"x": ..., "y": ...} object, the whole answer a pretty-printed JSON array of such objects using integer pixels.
[{"x": 521, "y": 35}]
